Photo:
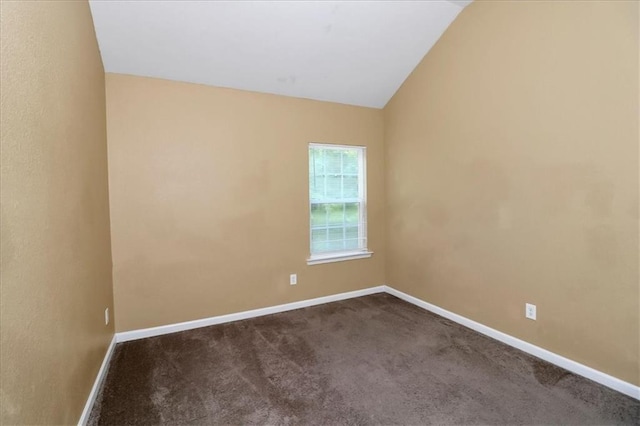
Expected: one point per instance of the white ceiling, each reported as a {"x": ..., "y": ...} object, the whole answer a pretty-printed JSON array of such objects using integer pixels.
[{"x": 356, "y": 52}]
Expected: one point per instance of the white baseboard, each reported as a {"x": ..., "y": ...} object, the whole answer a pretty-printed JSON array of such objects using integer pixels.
[
  {"x": 570, "y": 365},
  {"x": 97, "y": 383},
  {"x": 573, "y": 366},
  {"x": 126, "y": 336},
  {"x": 189, "y": 325}
]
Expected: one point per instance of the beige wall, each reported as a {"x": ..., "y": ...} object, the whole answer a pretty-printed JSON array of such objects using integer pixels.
[
  {"x": 56, "y": 257},
  {"x": 512, "y": 176},
  {"x": 209, "y": 199}
]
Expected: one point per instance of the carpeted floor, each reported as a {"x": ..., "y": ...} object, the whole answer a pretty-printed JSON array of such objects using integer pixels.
[{"x": 370, "y": 360}]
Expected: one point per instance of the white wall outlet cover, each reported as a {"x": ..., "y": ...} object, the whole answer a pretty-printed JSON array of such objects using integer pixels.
[
  {"x": 293, "y": 279},
  {"x": 106, "y": 316},
  {"x": 530, "y": 311}
]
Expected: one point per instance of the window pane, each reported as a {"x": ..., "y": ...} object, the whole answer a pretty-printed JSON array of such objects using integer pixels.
[
  {"x": 319, "y": 234},
  {"x": 318, "y": 215},
  {"x": 318, "y": 240},
  {"x": 350, "y": 161},
  {"x": 316, "y": 187},
  {"x": 352, "y": 213},
  {"x": 316, "y": 162},
  {"x": 351, "y": 232},
  {"x": 352, "y": 244},
  {"x": 335, "y": 213},
  {"x": 333, "y": 161},
  {"x": 351, "y": 187},
  {"x": 336, "y": 233},
  {"x": 333, "y": 187},
  {"x": 319, "y": 247},
  {"x": 352, "y": 237},
  {"x": 332, "y": 214},
  {"x": 336, "y": 239},
  {"x": 316, "y": 173}
]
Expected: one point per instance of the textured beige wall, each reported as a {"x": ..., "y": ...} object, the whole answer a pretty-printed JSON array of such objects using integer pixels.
[
  {"x": 512, "y": 176},
  {"x": 56, "y": 256},
  {"x": 209, "y": 199}
]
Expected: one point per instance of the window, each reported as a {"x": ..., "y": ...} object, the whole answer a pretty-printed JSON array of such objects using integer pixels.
[{"x": 337, "y": 203}]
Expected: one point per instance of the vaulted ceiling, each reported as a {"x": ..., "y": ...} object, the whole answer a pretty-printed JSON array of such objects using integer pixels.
[{"x": 352, "y": 52}]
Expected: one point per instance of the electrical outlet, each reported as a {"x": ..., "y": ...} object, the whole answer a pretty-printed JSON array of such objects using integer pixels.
[
  {"x": 106, "y": 316},
  {"x": 293, "y": 279},
  {"x": 530, "y": 311}
]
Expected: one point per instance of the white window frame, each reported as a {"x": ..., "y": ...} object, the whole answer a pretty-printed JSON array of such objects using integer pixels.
[{"x": 361, "y": 253}]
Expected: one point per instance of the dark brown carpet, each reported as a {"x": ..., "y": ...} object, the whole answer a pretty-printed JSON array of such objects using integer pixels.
[{"x": 370, "y": 360}]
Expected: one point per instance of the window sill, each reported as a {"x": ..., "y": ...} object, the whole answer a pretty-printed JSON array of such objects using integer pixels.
[{"x": 338, "y": 257}]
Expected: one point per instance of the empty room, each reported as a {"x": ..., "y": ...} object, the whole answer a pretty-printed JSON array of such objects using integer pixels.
[{"x": 320, "y": 212}]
